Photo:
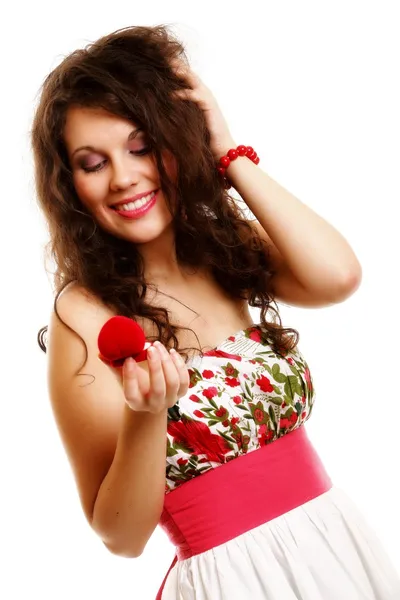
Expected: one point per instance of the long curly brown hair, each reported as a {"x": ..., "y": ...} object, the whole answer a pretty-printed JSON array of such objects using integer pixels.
[{"x": 129, "y": 74}]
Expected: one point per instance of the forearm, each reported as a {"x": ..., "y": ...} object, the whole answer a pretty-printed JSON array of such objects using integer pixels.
[
  {"x": 130, "y": 499},
  {"x": 313, "y": 250}
]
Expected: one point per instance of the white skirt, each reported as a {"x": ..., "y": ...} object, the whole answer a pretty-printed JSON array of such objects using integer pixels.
[{"x": 323, "y": 550}]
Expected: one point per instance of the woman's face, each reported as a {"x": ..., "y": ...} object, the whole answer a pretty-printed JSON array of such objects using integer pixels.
[{"x": 115, "y": 175}]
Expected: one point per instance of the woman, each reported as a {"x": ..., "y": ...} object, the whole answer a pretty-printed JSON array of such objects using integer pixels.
[{"x": 133, "y": 165}]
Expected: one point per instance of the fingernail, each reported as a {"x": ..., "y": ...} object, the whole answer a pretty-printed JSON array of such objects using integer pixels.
[{"x": 161, "y": 348}]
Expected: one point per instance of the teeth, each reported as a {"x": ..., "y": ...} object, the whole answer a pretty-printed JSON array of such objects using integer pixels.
[{"x": 137, "y": 204}]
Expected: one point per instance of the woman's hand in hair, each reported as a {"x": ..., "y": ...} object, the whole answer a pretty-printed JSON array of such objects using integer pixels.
[
  {"x": 196, "y": 91},
  {"x": 156, "y": 384}
]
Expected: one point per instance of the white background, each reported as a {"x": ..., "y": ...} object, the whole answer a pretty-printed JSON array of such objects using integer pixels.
[{"x": 313, "y": 86}]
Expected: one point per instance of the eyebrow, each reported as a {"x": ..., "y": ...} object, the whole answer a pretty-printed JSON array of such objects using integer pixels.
[{"x": 131, "y": 136}]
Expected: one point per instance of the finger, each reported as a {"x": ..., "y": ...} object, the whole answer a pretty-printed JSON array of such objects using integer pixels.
[
  {"x": 179, "y": 66},
  {"x": 130, "y": 383},
  {"x": 171, "y": 376},
  {"x": 192, "y": 96},
  {"x": 157, "y": 381},
  {"x": 183, "y": 70},
  {"x": 182, "y": 371},
  {"x": 183, "y": 94}
]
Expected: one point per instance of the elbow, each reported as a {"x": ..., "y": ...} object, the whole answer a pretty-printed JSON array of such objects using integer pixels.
[
  {"x": 348, "y": 284},
  {"x": 126, "y": 539},
  {"x": 131, "y": 552},
  {"x": 119, "y": 545}
]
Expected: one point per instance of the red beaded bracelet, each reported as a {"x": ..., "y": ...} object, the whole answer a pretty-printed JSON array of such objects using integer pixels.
[{"x": 231, "y": 155}]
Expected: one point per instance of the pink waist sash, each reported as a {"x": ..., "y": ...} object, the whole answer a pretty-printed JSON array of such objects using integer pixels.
[{"x": 244, "y": 493}]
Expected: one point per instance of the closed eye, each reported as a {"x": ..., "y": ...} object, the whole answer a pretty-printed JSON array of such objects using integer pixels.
[
  {"x": 141, "y": 151},
  {"x": 95, "y": 168},
  {"x": 99, "y": 166}
]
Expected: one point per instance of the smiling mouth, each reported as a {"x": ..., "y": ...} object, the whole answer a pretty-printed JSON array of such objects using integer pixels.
[
  {"x": 136, "y": 204},
  {"x": 136, "y": 209}
]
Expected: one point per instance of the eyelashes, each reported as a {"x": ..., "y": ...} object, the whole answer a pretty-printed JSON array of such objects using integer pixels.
[
  {"x": 93, "y": 169},
  {"x": 99, "y": 166}
]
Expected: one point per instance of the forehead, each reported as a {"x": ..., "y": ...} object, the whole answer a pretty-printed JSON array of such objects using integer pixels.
[{"x": 86, "y": 126}]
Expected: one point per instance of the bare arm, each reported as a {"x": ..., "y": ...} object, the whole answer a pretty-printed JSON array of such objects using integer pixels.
[
  {"x": 112, "y": 425},
  {"x": 130, "y": 499},
  {"x": 314, "y": 263}
]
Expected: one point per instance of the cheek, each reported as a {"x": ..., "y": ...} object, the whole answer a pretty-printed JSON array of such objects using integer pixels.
[{"x": 90, "y": 190}]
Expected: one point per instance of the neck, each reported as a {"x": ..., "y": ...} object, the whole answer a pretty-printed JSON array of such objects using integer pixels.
[{"x": 160, "y": 261}]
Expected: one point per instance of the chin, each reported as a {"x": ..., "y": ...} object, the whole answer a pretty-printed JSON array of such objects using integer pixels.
[{"x": 145, "y": 234}]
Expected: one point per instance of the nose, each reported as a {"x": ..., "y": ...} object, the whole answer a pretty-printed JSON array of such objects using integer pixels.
[{"x": 124, "y": 174}]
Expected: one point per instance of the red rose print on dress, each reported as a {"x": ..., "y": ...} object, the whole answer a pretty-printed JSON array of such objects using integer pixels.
[
  {"x": 254, "y": 334},
  {"x": 231, "y": 381},
  {"x": 259, "y": 415},
  {"x": 307, "y": 377},
  {"x": 258, "y": 412},
  {"x": 286, "y": 422},
  {"x": 221, "y": 412},
  {"x": 264, "y": 384},
  {"x": 210, "y": 392},
  {"x": 246, "y": 440},
  {"x": 199, "y": 414},
  {"x": 237, "y": 399},
  {"x": 197, "y": 437},
  {"x": 264, "y": 434},
  {"x": 207, "y": 374}
]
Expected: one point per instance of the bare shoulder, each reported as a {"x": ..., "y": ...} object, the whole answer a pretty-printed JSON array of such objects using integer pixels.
[
  {"x": 79, "y": 307},
  {"x": 86, "y": 395}
]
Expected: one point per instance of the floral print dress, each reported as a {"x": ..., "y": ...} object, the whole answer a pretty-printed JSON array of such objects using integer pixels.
[{"x": 242, "y": 396}]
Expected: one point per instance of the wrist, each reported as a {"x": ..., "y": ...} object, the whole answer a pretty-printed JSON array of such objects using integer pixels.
[
  {"x": 222, "y": 148},
  {"x": 225, "y": 161}
]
